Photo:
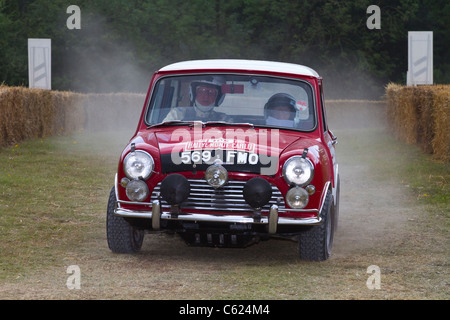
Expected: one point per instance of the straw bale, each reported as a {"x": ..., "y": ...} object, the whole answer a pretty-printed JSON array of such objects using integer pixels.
[
  {"x": 408, "y": 115},
  {"x": 39, "y": 108},
  {"x": 12, "y": 116},
  {"x": 392, "y": 112},
  {"x": 421, "y": 115},
  {"x": 70, "y": 115},
  {"x": 441, "y": 139},
  {"x": 31, "y": 113},
  {"x": 423, "y": 100},
  {"x": 402, "y": 113}
]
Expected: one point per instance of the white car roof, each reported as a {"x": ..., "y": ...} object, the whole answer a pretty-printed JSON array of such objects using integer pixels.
[{"x": 245, "y": 65}]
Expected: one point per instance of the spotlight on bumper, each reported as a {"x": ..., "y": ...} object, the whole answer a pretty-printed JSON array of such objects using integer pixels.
[
  {"x": 257, "y": 192},
  {"x": 297, "y": 198},
  {"x": 175, "y": 189},
  {"x": 137, "y": 190},
  {"x": 216, "y": 176}
]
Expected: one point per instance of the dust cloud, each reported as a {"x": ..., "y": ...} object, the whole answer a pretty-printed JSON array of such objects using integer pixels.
[
  {"x": 104, "y": 68},
  {"x": 97, "y": 59}
]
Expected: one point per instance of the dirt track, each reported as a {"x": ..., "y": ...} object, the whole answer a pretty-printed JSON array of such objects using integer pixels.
[{"x": 377, "y": 220}]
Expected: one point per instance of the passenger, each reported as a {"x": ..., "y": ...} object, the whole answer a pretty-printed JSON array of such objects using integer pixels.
[{"x": 280, "y": 110}]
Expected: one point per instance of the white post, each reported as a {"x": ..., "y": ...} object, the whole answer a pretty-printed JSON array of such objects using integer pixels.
[
  {"x": 420, "y": 58},
  {"x": 39, "y": 63}
]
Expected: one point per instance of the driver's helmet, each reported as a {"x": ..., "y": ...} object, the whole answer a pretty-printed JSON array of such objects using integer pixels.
[{"x": 212, "y": 81}]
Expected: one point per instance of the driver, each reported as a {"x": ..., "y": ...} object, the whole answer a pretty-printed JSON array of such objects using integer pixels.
[
  {"x": 280, "y": 110},
  {"x": 204, "y": 95}
]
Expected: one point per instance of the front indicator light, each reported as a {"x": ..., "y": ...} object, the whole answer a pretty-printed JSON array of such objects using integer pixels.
[
  {"x": 297, "y": 198},
  {"x": 124, "y": 181},
  {"x": 310, "y": 189}
]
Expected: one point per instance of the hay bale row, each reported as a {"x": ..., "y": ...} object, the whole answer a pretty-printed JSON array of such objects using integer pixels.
[
  {"x": 34, "y": 113},
  {"x": 31, "y": 113},
  {"x": 417, "y": 115},
  {"x": 420, "y": 115}
]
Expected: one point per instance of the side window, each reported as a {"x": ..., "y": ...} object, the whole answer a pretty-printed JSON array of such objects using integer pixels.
[{"x": 322, "y": 106}]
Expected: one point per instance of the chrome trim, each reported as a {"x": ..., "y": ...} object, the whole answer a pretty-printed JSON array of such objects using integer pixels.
[
  {"x": 150, "y": 204},
  {"x": 293, "y": 184},
  {"x": 336, "y": 174},
  {"x": 273, "y": 219},
  {"x": 116, "y": 188},
  {"x": 126, "y": 159},
  {"x": 217, "y": 218},
  {"x": 324, "y": 195},
  {"x": 156, "y": 215}
]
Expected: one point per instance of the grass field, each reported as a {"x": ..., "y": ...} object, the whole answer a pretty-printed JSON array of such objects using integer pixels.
[{"x": 53, "y": 196}]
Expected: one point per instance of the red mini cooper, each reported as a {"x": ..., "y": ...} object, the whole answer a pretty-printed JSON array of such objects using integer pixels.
[{"x": 226, "y": 153}]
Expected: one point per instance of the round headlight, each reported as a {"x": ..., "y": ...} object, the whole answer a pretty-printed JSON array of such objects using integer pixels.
[
  {"x": 297, "y": 198},
  {"x": 138, "y": 164},
  {"x": 137, "y": 190},
  {"x": 216, "y": 175},
  {"x": 298, "y": 171}
]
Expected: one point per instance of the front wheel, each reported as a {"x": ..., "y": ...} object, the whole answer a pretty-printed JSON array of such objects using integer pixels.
[
  {"x": 315, "y": 243},
  {"x": 122, "y": 236}
]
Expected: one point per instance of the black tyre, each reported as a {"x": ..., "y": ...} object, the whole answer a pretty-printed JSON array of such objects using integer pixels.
[
  {"x": 315, "y": 243},
  {"x": 122, "y": 236}
]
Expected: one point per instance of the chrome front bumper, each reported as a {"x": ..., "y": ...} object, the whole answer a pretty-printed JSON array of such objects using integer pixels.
[{"x": 272, "y": 219}]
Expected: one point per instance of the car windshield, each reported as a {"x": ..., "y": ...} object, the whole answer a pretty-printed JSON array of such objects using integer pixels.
[{"x": 234, "y": 99}]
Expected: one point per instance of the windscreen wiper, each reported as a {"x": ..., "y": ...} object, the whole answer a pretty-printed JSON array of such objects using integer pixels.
[
  {"x": 229, "y": 123},
  {"x": 175, "y": 123},
  {"x": 198, "y": 123}
]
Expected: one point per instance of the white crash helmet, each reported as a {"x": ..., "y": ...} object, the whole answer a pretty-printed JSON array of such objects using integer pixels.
[{"x": 214, "y": 81}]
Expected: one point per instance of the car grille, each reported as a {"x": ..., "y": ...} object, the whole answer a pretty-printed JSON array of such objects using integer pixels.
[{"x": 228, "y": 198}]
